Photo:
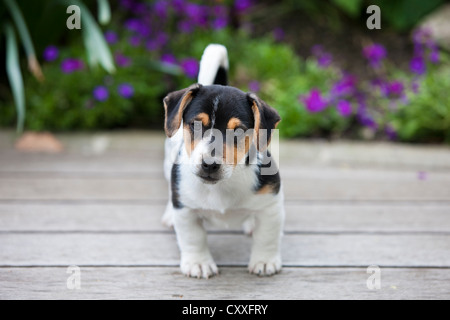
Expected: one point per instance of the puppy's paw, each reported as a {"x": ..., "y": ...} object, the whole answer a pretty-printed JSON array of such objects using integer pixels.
[
  {"x": 199, "y": 267},
  {"x": 265, "y": 267}
]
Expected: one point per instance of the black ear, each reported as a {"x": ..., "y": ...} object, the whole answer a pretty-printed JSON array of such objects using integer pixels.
[
  {"x": 174, "y": 105},
  {"x": 265, "y": 117}
]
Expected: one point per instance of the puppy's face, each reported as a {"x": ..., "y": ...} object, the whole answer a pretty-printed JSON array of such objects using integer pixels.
[{"x": 221, "y": 125}]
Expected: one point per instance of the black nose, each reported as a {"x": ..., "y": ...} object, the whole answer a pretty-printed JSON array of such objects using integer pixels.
[{"x": 210, "y": 166}]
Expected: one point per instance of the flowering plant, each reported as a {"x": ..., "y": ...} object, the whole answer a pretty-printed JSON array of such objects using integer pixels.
[
  {"x": 378, "y": 103},
  {"x": 156, "y": 46}
]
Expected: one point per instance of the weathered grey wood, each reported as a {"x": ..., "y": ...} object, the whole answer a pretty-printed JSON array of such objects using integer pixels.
[
  {"x": 148, "y": 164},
  {"x": 124, "y": 249},
  {"x": 232, "y": 283},
  {"x": 112, "y": 163},
  {"x": 156, "y": 189},
  {"x": 372, "y": 154},
  {"x": 98, "y": 205},
  {"x": 300, "y": 217}
]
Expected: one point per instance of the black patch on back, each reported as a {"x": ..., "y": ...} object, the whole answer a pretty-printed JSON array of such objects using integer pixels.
[
  {"x": 174, "y": 185},
  {"x": 221, "y": 77},
  {"x": 271, "y": 180}
]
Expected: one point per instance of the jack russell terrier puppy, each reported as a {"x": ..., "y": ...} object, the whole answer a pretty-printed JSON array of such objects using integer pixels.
[{"x": 219, "y": 169}]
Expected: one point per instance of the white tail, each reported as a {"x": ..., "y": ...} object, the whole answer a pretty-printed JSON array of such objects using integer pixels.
[{"x": 214, "y": 65}]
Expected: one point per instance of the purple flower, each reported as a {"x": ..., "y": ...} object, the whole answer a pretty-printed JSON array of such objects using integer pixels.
[
  {"x": 190, "y": 67},
  {"x": 140, "y": 9},
  {"x": 70, "y": 65},
  {"x": 160, "y": 8},
  {"x": 185, "y": 26},
  {"x": 366, "y": 120},
  {"x": 375, "y": 53},
  {"x": 324, "y": 59},
  {"x": 418, "y": 66},
  {"x": 101, "y": 93},
  {"x": 344, "y": 108},
  {"x": 219, "y": 23},
  {"x": 197, "y": 14},
  {"x": 135, "y": 41},
  {"x": 346, "y": 86},
  {"x": 314, "y": 102},
  {"x": 111, "y": 37},
  {"x": 243, "y": 5},
  {"x": 127, "y": 4},
  {"x": 51, "y": 53},
  {"x": 179, "y": 5},
  {"x": 396, "y": 88},
  {"x": 132, "y": 24},
  {"x": 422, "y": 36},
  {"x": 278, "y": 34},
  {"x": 158, "y": 42},
  {"x": 254, "y": 86},
  {"x": 121, "y": 60},
  {"x": 168, "y": 58},
  {"x": 435, "y": 56},
  {"x": 390, "y": 132},
  {"x": 125, "y": 90}
]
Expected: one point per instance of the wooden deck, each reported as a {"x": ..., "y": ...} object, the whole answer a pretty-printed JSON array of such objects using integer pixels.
[{"x": 98, "y": 206}]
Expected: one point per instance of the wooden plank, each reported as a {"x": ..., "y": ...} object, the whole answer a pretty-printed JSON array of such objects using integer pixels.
[
  {"x": 156, "y": 189},
  {"x": 365, "y": 154},
  {"x": 125, "y": 249},
  {"x": 232, "y": 283},
  {"x": 112, "y": 163},
  {"x": 82, "y": 189},
  {"x": 149, "y": 165},
  {"x": 300, "y": 217},
  {"x": 295, "y": 151}
]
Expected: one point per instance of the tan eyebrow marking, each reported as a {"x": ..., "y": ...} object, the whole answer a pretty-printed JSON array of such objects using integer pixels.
[
  {"x": 233, "y": 123},
  {"x": 204, "y": 118}
]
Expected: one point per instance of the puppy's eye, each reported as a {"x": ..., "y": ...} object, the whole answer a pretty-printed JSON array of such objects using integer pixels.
[
  {"x": 239, "y": 132},
  {"x": 196, "y": 125}
]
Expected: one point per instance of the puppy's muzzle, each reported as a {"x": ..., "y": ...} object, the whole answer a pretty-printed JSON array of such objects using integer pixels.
[
  {"x": 209, "y": 166},
  {"x": 210, "y": 170}
]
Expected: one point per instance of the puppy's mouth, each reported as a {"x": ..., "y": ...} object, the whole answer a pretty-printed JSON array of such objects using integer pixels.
[{"x": 208, "y": 179}]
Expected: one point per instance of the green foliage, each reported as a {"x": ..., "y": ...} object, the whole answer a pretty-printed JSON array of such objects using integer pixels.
[
  {"x": 351, "y": 7},
  {"x": 405, "y": 14},
  {"x": 402, "y": 15},
  {"x": 66, "y": 101},
  {"x": 23, "y": 16},
  {"x": 426, "y": 118}
]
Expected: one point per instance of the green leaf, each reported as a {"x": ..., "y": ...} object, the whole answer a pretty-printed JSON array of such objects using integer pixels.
[
  {"x": 97, "y": 49},
  {"x": 104, "y": 11},
  {"x": 405, "y": 14},
  {"x": 351, "y": 7},
  {"x": 21, "y": 25},
  {"x": 15, "y": 75}
]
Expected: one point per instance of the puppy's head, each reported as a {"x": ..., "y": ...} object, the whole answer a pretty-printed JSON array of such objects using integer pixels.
[{"x": 221, "y": 125}]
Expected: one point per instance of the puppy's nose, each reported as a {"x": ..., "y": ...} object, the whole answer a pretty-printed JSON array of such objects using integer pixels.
[{"x": 210, "y": 166}]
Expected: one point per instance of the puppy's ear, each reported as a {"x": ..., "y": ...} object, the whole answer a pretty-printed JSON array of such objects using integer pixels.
[
  {"x": 174, "y": 105},
  {"x": 265, "y": 117}
]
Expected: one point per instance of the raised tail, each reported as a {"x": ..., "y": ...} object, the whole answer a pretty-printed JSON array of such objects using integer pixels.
[{"x": 214, "y": 66}]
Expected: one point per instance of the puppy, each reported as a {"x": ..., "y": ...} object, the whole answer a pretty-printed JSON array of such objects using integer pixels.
[{"x": 219, "y": 169}]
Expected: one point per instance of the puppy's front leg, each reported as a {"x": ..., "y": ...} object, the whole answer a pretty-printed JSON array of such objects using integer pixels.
[
  {"x": 196, "y": 260},
  {"x": 265, "y": 258}
]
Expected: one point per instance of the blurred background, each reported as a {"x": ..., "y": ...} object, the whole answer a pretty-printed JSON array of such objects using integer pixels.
[{"x": 316, "y": 62}]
